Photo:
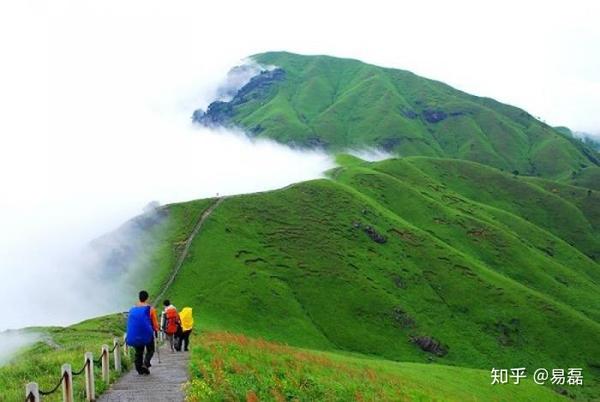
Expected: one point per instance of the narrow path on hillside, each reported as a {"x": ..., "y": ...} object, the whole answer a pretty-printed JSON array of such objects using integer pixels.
[
  {"x": 167, "y": 377},
  {"x": 186, "y": 248},
  {"x": 165, "y": 382}
]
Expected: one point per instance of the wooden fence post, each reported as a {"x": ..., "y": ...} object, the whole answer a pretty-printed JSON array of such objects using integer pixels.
[
  {"x": 125, "y": 347},
  {"x": 105, "y": 358},
  {"x": 67, "y": 385},
  {"x": 117, "y": 354},
  {"x": 32, "y": 392},
  {"x": 90, "y": 390}
]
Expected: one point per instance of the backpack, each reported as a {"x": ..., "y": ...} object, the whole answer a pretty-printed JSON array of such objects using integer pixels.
[
  {"x": 172, "y": 320},
  {"x": 187, "y": 321},
  {"x": 139, "y": 327}
]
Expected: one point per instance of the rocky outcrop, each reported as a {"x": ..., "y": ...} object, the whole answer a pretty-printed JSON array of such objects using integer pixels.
[
  {"x": 434, "y": 116},
  {"x": 431, "y": 345},
  {"x": 220, "y": 113},
  {"x": 374, "y": 235}
]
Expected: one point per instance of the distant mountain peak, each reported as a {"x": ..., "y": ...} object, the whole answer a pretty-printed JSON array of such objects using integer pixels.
[{"x": 338, "y": 104}]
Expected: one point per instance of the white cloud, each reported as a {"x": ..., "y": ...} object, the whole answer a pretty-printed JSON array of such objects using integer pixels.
[
  {"x": 99, "y": 125},
  {"x": 12, "y": 341},
  {"x": 371, "y": 154}
]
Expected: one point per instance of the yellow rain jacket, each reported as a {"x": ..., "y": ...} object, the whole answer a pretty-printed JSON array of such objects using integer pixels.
[{"x": 187, "y": 321}]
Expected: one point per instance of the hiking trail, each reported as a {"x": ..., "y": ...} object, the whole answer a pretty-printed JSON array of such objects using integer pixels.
[
  {"x": 167, "y": 378},
  {"x": 205, "y": 214},
  {"x": 164, "y": 384}
]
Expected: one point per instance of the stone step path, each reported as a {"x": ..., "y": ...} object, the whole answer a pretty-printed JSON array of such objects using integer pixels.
[
  {"x": 166, "y": 380},
  {"x": 164, "y": 384}
]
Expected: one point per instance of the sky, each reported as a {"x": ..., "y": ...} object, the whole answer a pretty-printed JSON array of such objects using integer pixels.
[{"x": 96, "y": 98}]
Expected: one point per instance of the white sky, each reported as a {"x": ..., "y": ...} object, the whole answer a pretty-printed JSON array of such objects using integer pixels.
[{"x": 96, "y": 96}]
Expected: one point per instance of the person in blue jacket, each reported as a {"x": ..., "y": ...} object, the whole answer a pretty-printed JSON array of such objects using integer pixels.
[{"x": 142, "y": 325}]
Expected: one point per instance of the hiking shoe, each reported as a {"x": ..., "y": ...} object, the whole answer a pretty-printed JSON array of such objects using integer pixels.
[{"x": 144, "y": 371}]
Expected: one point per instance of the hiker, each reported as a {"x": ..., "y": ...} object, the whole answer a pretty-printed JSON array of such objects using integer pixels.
[
  {"x": 170, "y": 323},
  {"x": 187, "y": 323},
  {"x": 178, "y": 337},
  {"x": 142, "y": 325}
]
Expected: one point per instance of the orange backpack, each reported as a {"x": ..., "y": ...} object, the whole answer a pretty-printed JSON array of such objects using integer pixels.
[{"x": 172, "y": 319}]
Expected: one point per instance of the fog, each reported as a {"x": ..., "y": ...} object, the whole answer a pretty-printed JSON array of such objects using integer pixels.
[
  {"x": 12, "y": 341},
  {"x": 107, "y": 178},
  {"x": 587, "y": 137},
  {"x": 97, "y": 135},
  {"x": 371, "y": 154}
]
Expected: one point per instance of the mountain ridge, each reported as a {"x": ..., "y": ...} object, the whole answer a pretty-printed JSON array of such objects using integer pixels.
[
  {"x": 406, "y": 259},
  {"x": 406, "y": 263},
  {"x": 337, "y": 104}
]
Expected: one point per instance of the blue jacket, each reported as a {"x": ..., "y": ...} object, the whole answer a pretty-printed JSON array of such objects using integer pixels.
[{"x": 139, "y": 326}]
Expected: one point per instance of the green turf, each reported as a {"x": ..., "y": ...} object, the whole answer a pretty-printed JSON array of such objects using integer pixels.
[
  {"x": 162, "y": 244},
  {"x": 499, "y": 269},
  {"x": 342, "y": 103},
  {"x": 227, "y": 367},
  {"x": 482, "y": 236},
  {"x": 503, "y": 275},
  {"x": 42, "y": 361}
]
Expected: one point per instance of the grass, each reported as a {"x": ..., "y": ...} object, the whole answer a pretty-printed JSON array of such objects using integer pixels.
[
  {"x": 163, "y": 243},
  {"x": 481, "y": 271},
  {"x": 230, "y": 367},
  {"x": 358, "y": 272},
  {"x": 342, "y": 103},
  {"x": 42, "y": 361}
]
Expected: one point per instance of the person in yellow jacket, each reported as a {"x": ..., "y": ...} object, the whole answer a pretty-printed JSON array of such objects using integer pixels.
[{"x": 187, "y": 324}]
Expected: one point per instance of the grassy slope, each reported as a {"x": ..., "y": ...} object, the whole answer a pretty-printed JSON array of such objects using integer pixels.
[
  {"x": 488, "y": 277},
  {"x": 346, "y": 103},
  {"x": 494, "y": 280},
  {"x": 42, "y": 361},
  {"x": 586, "y": 200},
  {"x": 167, "y": 241},
  {"x": 563, "y": 217},
  {"x": 234, "y": 367},
  {"x": 588, "y": 177}
]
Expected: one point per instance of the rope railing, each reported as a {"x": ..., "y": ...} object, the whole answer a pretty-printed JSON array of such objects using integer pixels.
[
  {"x": 76, "y": 373},
  {"x": 34, "y": 394},
  {"x": 116, "y": 344},
  {"x": 45, "y": 393},
  {"x": 98, "y": 361}
]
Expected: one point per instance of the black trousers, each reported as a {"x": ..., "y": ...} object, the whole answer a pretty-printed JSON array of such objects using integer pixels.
[
  {"x": 142, "y": 360},
  {"x": 184, "y": 341}
]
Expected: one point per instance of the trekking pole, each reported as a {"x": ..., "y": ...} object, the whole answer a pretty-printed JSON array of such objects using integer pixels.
[{"x": 157, "y": 347}]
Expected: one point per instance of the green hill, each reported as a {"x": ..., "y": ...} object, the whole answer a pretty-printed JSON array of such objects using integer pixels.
[
  {"x": 477, "y": 248},
  {"x": 409, "y": 260},
  {"x": 322, "y": 101},
  {"x": 399, "y": 268}
]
